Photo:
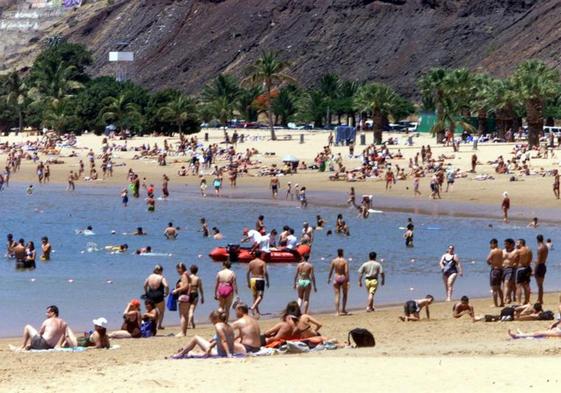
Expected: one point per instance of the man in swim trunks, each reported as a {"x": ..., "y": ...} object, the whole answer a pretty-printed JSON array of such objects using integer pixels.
[
  {"x": 495, "y": 260},
  {"x": 247, "y": 329},
  {"x": 275, "y": 184},
  {"x": 463, "y": 308},
  {"x": 505, "y": 206},
  {"x": 412, "y": 308},
  {"x": 170, "y": 232},
  {"x": 52, "y": 333},
  {"x": 539, "y": 266},
  {"x": 371, "y": 270},
  {"x": 303, "y": 281},
  {"x": 20, "y": 253},
  {"x": 340, "y": 282},
  {"x": 11, "y": 244},
  {"x": 257, "y": 278},
  {"x": 45, "y": 249},
  {"x": 510, "y": 261},
  {"x": 524, "y": 271}
]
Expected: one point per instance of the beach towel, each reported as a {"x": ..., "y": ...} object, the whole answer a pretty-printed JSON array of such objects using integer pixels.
[{"x": 14, "y": 348}]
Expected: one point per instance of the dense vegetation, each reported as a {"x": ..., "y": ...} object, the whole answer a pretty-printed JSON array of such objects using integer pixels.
[{"x": 57, "y": 93}]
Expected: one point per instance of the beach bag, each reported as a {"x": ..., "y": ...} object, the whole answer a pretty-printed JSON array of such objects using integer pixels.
[
  {"x": 146, "y": 329},
  {"x": 172, "y": 302},
  {"x": 546, "y": 316},
  {"x": 362, "y": 338},
  {"x": 507, "y": 314}
]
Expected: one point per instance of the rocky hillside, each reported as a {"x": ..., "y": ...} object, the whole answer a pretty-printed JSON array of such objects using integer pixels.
[{"x": 184, "y": 43}]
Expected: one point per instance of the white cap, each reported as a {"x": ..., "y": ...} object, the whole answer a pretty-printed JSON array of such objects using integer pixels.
[{"x": 101, "y": 322}]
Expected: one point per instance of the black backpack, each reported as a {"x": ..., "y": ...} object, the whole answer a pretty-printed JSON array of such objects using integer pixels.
[{"x": 362, "y": 338}]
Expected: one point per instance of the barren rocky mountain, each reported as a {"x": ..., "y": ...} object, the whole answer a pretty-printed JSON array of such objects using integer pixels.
[{"x": 184, "y": 43}]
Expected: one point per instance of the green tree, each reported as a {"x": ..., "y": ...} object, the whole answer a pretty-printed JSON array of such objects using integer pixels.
[
  {"x": 245, "y": 105},
  {"x": 179, "y": 110},
  {"x": 270, "y": 72},
  {"x": 89, "y": 102},
  {"x": 58, "y": 117},
  {"x": 345, "y": 104},
  {"x": 311, "y": 107},
  {"x": 382, "y": 101},
  {"x": 221, "y": 96},
  {"x": 122, "y": 112},
  {"x": 482, "y": 102},
  {"x": 284, "y": 104},
  {"x": 15, "y": 95},
  {"x": 328, "y": 85},
  {"x": 535, "y": 84}
]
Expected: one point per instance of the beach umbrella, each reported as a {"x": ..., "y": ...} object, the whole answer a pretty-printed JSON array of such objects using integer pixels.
[{"x": 290, "y": 158}]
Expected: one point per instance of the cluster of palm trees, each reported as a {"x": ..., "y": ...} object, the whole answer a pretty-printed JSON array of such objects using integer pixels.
[
  {"x": 533, "y": 91},
  {"x": 58, "y": 93}
]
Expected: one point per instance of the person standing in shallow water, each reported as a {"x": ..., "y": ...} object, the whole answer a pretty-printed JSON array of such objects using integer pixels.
[
  {"x": 340, "y": 267},
  {"x": 540, "y": 268},
  {"x": 495, "y": 260}
]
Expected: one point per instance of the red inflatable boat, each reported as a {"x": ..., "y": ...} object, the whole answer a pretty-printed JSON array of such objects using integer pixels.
[{"x": 243, "y": 254}]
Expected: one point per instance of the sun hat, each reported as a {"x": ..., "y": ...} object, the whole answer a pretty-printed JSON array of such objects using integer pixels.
[{"x": 101, "y": 322}]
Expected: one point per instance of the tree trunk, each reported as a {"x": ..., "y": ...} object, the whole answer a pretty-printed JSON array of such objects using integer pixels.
[
  {"x": 378, "y": 124},
  {"x": 353, "y": 119},
  {"x": 550, "y": 121},
  {"x": 270, "y": 113},
  {"x": 534, "y": 117},
  {"x": 328, "y": 117},
  {"x": 20, "y": 120},
  {"x": 482, "y": 122}
]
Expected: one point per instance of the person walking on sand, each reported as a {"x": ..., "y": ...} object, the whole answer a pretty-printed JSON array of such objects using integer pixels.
[
  {"x": 412, "y": 308},
  {"x": 156, "y": 289},
  {"x": 303, "y": 281},
  {"x": 275, "y": 184},
  {"x": 371, "y": 270},
  {"x": 556, "y": 183},
  {"x": 540, "y": 267},
  {"x": 196, "y": 290},
  {"x": 340, "y": 267},
  {"x": 495, "y": 261},
  {"x": 505, "y": 206},
  {"x": 450, "y": 266},
  {"x": 225, "y": 288},
  {"x": 257, "y": 278}
]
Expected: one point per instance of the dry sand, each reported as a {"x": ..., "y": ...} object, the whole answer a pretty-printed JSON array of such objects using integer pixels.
[{"x": 440, "y": 355}]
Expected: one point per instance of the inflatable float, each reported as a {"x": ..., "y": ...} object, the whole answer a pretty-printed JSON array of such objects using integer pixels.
[{"x": 244, "y": 254}]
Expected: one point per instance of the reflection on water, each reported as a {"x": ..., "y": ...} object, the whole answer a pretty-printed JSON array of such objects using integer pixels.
[{"x": 86, "y": 281}]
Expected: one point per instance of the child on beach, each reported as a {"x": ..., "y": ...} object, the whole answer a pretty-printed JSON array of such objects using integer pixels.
[{"x": 412, "y": 308}]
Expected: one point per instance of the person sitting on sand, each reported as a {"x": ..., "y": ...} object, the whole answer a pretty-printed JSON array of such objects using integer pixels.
[
  {"x": 286, "y": 329},
  {"x": 412, "y": 308},
  {"x": 52, "y": 333},
  {"x": 248, "y": 331},
  {"x": 149, "y": 326},
  {"x": 307, "y": 327},
  {"x": 132, "y": 319},
  {"x": 222, "y": 345},
  {"x": 99, "y": 337},
  {"x": 463, "y": 308}
]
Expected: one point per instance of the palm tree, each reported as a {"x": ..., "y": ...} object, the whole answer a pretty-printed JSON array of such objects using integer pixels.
[
  {"x": 329, "y": 86},
  {"x": 120, "y": 111},
  {"x": 16, "y": 94},
  {"x": 482, "y": 100},
  {"x": 56, "y": 117},
  {"x": 221, "y": 94},
  {"x": 55, "y": 83},
  {"x": 450, "y": 93},
  {"x": 504, "y": 101},
  {"x": 346, "y": 100},
  {"x": 310, "y": 107},
  {"x": 535, "y": 83},
  {"x": 178, "y": 110},
  {"x": 245, "y": 105},
  {"x": 268, "y": 71},
  {"x": 383, "y": 102},
  {"x": 284, "y": 104}
]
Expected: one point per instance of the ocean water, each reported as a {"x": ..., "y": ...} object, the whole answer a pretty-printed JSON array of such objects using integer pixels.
[{"x": 86, "y": 285}]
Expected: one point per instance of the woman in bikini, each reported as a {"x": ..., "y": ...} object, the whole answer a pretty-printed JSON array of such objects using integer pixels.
[
  {"x": 450, "y": 267},
  {"x": 131, "y": 322},
  {"x": 196, "y": 289},
  {"x": 225, "y": 288},
  {"x": 303, "y": 281},
  {"x": 181, "y": 292}
]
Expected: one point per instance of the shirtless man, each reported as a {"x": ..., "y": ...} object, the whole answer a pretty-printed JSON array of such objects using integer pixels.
[
  {"x": 495, "y": 261},
  {"x": 45, "y": 249},
  {"x": 275, "y": 184},
  {"x": 463, "y": 308},
  {"x": 257, "y": 278},
  {"x": 170, "y": 232},
  {"x": 10, "y": 245},
  {"x": 505, "y": 206},
  {"x": 52, "y": 333},
  {"x": 539, "y": 266},
  {"x": 412, "y": 308},
  {"x": 340, "y": 282},
  {"x": 20, "y": 253},
  {"x": 247, "y": 329},
  {"x": 510, "y": 262},
  {"x": 524, "y": 271},
  {"x": 303, "y": 281}
]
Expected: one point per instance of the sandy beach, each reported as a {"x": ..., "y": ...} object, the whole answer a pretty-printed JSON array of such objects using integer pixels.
[
  {"x": 442, "y": 354},
  {"x": 438, "y": 355}
]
